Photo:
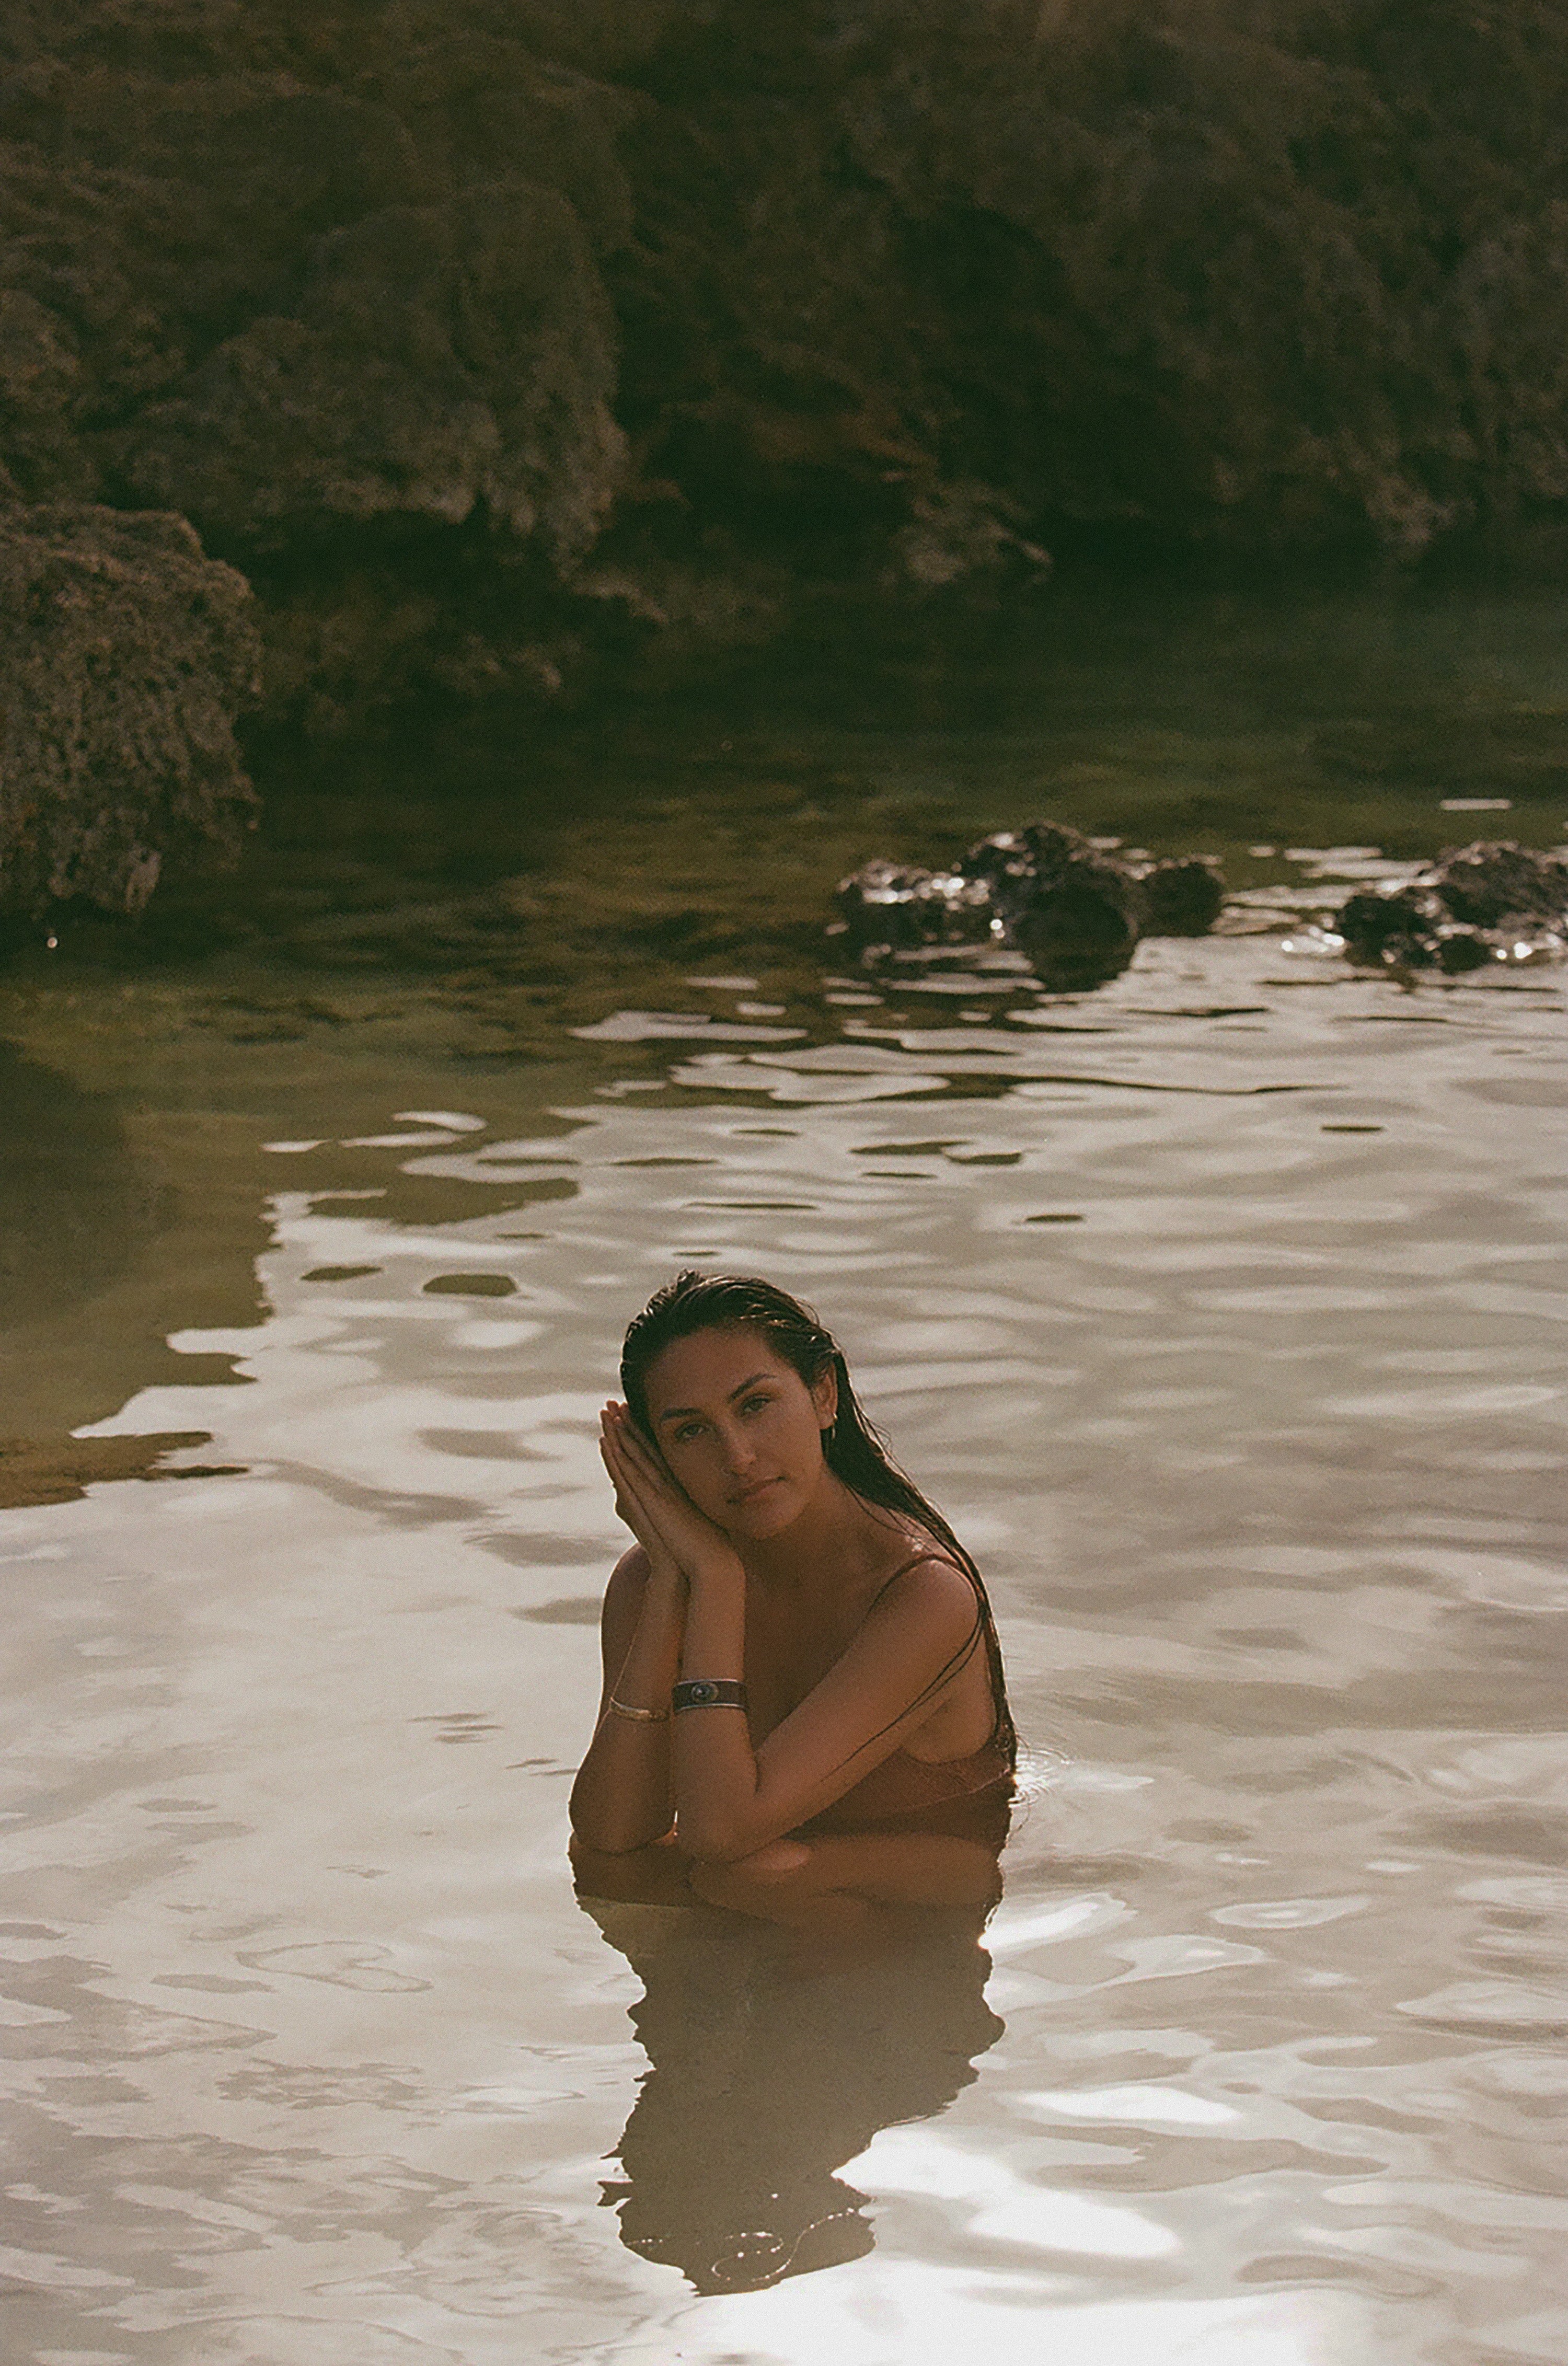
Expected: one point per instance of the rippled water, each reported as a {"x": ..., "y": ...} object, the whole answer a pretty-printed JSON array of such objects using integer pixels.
[{"x": 1223, "y": 1310}]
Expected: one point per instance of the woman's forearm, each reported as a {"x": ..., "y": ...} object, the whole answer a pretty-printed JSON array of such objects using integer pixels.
[
  {"x": 653, "y": 1660},
  {"x": 621, "y": 1798},
  {"x": 714, "y": 1637},
  {"x": 715, "y": 1768}
]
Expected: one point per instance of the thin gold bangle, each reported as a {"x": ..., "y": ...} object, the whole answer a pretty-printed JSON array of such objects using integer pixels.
[{"x": 639, "y": 1716}]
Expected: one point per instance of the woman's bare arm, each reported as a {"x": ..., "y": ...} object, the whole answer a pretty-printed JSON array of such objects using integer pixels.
[
  {"x": 730, "y": 1798},
  {"x": 622, "y": 1798}
]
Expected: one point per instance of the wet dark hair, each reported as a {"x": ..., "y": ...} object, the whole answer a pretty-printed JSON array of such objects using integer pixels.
[{"x": 854, "y": 1448}]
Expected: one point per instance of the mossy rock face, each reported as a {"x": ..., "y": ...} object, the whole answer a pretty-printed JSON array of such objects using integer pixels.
[
  {"x": 326, "y": 281},
  {"x": 41, "y": 377},
  {"x": 899, "y": 288},
  {"x": 125, "y": 655},
  {"x": 493, "y": 339},
  {"x": 438, "y": 361}
]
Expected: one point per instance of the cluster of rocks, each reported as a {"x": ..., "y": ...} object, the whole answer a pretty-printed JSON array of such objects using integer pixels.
[
  {"x": 1075, "y": 909},
  {"x": 1494, "y": 900}
]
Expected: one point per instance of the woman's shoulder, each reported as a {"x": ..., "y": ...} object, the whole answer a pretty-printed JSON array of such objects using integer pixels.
[
  {"x": 630, "y": 1572},
  {"x": 929, "y": 1576},
  {"x": 623, "y": 1593},
  {"x": 907, "y": 1546}
]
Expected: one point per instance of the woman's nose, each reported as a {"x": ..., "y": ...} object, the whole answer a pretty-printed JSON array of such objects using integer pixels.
[{"x": 739, "y": 1452}]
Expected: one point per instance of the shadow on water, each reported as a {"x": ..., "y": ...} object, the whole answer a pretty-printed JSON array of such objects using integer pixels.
[
  {"x": 73, "y": 1210},
  {"x": 86, "y": 1230},
  {"x": 765, "y": 2077}
]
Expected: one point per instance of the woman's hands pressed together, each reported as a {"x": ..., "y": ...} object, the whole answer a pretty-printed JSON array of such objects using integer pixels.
[
  {"x": 677, "y": 1538},
  {"x": 624, "y": 1796}
]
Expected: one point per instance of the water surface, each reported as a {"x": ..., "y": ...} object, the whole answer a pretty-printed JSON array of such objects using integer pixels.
[{"x": 1222, "y": 1309}]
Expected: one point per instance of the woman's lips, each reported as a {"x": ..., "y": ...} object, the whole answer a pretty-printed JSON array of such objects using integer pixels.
[{"x": 749, "y": 1494}]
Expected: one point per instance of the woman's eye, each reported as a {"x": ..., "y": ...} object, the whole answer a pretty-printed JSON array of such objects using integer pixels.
[{"x": 756, "y": 1405}]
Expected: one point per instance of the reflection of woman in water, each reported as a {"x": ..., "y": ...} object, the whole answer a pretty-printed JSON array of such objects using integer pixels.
[
  {"x": 803, "y": 1716},
  {"x": 762, "y": 2083}
]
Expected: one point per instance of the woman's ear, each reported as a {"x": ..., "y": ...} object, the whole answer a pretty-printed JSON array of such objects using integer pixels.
[{"x": 824, "y": 1397}]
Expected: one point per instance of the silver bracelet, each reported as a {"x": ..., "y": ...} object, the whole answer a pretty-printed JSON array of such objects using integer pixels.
[{"x": 639, "y": 1716}]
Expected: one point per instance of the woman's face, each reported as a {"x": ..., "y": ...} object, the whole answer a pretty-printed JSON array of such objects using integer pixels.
[{"x": 740, "y": 1428}]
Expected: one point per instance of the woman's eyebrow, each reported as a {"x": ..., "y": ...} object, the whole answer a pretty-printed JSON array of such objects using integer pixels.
[{"x": 680, "y": 1412}]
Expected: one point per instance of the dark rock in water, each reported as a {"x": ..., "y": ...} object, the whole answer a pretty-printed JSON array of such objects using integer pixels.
[
  {"x": 1492, "y": 881},
  {"x": 1409, "y": 930},
  {"x": 1477, "y": 904},
  {"x": 1463, "y": 949},
  {"x": 896, "y": 905},
  {"x": 1183, "y": 898},
  {"x": 1075, "y": 909}
]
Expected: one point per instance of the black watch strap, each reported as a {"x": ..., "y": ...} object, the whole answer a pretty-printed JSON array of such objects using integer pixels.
[{"x": 708, "y": 1692}]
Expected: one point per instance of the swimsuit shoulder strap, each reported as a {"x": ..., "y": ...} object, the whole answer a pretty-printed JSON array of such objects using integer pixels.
[
  {"x": 915, "y": 1560},
  {"x": 935, "y": 1552},
  {"x": 985, "y": 1626}
]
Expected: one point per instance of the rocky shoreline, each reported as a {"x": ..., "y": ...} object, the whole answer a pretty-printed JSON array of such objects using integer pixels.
[{"x": 354, "y": 359}]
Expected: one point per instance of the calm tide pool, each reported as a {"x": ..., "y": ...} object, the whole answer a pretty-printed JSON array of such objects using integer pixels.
[{"x": 1222, "y": 1309}]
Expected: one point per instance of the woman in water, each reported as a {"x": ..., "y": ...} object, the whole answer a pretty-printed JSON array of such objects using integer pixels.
[{"x": 803, "y": 1705}]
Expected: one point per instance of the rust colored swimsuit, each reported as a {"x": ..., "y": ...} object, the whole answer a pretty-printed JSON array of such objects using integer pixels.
[{"x": 958, "y": 1794}]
